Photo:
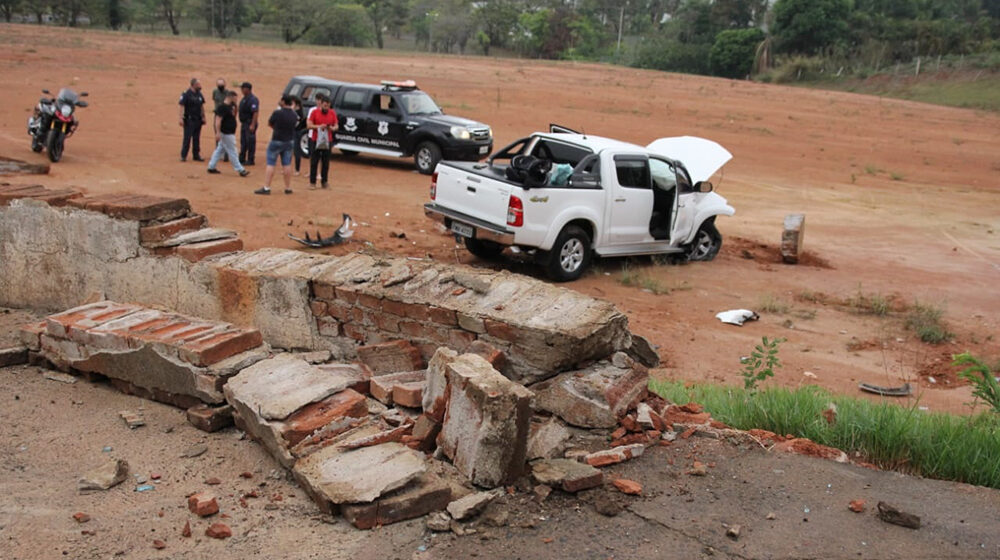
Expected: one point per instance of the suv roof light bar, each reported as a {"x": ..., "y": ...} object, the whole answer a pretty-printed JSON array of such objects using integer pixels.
[{"x": 399, "y": 84}]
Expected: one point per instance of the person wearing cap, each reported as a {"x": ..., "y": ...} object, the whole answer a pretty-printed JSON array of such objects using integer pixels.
[
  {"x": 192, "y": 117},
  {"x": 225, "y": 136},
  {"x": 248, "y": 111}
]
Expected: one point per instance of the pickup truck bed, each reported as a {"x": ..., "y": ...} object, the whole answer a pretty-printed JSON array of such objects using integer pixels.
[{"x": 496, "y": 172}]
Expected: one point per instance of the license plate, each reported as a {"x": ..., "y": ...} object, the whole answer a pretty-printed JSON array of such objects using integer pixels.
[
  {"x": 483, "y": 149},
  {"x": 462, "y": 229}
]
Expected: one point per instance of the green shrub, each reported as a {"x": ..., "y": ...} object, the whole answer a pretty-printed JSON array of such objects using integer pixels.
[
  {"x": 733, "y": 52},
  {"x": 925, "y": 321},
  {"x": 984, "y": 383}
]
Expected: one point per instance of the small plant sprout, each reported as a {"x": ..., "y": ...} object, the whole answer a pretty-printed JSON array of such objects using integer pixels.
[{"x": 761, "y": 364}]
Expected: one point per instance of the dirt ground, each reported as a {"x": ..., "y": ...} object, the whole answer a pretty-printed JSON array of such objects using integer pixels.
[{"x": 899, "y": 197}]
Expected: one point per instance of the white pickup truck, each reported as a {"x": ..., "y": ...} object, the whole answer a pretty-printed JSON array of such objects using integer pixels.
[{"x": 620, "y": 199}]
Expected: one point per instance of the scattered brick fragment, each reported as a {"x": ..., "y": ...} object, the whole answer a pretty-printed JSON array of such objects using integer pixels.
[{"x": 219, "y": 531}]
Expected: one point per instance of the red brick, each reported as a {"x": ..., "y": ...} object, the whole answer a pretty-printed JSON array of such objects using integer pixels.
[
  {"x": 370, "y": 301},
  {"x": 20, "y": 191},
  {"x": 327, "y": 326},
  {"x": 346, "y": 294},
  {"x": 203, "y": 504},
  {"x": 58, "y": 197},
  {"x": 442, "y": 316},
  {"x": 13, "y": 356},
  {"x": 318, "y": 308},
  {"x": 210, "y": 418},
  {"x": 394, "y": 435},
  {"x": 425, "y": 432},
  {"x": 218, "y": 531},
  {"x": 81, "y": 517},
  {"x": 161, "y": 232},
  {"x": 31, "y": 334},
  {"x": 323, "y": 291},
  {"x": 461, "y": 340},
  {"x": 490, "y": 353},
  {"x": 411, "y": 329},
  {"x": 311, "y": 417},
  {"x": 100, "y": 202},
  {"x": 501, "y": 330},
  {"x": 428, "y": 493},
  {"x": 340, "y": 310},
  {"x": 387, "y": 322},
  {"x": 195, "y": 252},
  {"x": 397, "y": 308},
  {"x": 219, "y": 347},
  {"x": 143, "y": 208},
  {"x": 626, "y": 486},
  {"x": 613, "y": 456},
  {"x": 383, "y": 386},
  {"x": 409, "y": 394},
  {"x": 391, "y": 357},
  {"x": 674, "y": 414},
  {"x": 357, "y": 332}
]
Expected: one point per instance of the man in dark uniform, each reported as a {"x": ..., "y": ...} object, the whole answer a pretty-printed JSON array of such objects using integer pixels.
[
  {"x": 249, "y": 109},
  {"x": 192, "y": 117}
]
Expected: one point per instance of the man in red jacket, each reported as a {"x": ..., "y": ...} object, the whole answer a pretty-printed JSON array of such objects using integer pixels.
[{"x": 322, "y": 121}]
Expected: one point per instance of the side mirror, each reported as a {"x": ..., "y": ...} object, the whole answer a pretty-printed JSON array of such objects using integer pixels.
[
  {"x": 704, "y": 187},
  {"x": 84, "y": 94},
  {"x": 584, "y": 181}
]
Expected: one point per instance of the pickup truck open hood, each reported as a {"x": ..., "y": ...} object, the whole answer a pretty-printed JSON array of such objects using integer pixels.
[{"x": 701, "y": 157}]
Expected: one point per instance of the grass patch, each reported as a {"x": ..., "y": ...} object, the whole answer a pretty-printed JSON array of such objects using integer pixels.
[
  {"x": 870, "y": 304},
  {"x": 634, "y": 278},
  {"x": 935, "y": 445},
  {"x": 925, "y": 321},
  {"x": 896, "y": 176},
  {"x": 769, "y": 303}
]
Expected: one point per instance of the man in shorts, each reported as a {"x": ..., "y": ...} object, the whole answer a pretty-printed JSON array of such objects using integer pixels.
[{"x": 282, "y": 122}]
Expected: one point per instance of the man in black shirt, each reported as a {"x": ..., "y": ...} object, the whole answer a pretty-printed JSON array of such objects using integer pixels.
[
  {"x": 219, "y": 98},
  {"x": 283, "y": 121},
  {"x": 225, "y": 125},
  {"x": 192, "y": 116},
  {"x": 249, "y": 109}
]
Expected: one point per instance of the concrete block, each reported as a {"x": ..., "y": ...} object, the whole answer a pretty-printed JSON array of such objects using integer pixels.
[
  {"x": 792, "y": 238},
  {"x": 596, "y": 397},
  {"x": 566, "y": 474},
  {"x": 359, "y": 475},
  {"x": 547, "y": 439},
  {"x": 485, "y": 429}
]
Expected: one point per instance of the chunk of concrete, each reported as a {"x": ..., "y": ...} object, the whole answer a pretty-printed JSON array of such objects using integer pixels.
[
  {"x": 567, "y": 474},
  {"x": 547, "y": 439},
  {"x": 426, "y": 494},
  {"x": 485, "y": 430},
  {"x": 471, "y": 505},
  {"x": 359, "y": 475},
  {"x": 108, "y": 474},
  {"x": 596, "y": 397},
  {"x": 277, "y": 387},
  {"x": 792, "y": 237},
  {"x": 435, "y": 398}
]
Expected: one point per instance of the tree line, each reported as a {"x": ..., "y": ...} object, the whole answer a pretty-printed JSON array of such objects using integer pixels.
[{"x": 731, "y": 38}]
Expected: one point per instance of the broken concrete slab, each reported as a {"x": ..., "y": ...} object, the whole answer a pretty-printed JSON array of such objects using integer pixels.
[
  {"x": 277, "y": 387},
  {"x": 547, "y": 439},
  {"x": 426, "y": 494},
  {"x": 471, "y": 505},
  {"x": 596, "y": 397},
  {"x": 360, "y": 475},
  {"x": 567, "y": 474},
  {"x": 485, "y": 429},
  {"x": 109, "y": 474}
]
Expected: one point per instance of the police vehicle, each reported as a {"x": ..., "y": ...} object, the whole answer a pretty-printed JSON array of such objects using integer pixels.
[{"x": 393, "y": 119}]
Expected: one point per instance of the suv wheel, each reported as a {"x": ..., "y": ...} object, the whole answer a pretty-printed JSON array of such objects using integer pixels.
[
  {"x": 426, "y": 157},
  {"x": 570, "y": 255},
  {"x": 304, "y": 146},
  {"x": 705, "y": 245}
]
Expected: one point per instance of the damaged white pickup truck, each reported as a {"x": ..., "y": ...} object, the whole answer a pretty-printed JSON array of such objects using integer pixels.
[{"x": 563, "y": 196}]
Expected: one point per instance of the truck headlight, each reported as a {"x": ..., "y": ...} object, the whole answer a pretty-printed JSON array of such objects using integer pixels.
[{"x": 460, "y": 132}]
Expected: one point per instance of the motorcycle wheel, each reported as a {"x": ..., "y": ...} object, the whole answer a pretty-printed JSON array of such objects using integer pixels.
[
  {"x": 36, "y": 143},
  {"x": 54, "y": 145}
]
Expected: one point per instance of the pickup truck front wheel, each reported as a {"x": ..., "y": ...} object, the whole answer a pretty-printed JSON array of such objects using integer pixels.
[
  {"x": 483, "y": 249},
  {"x": 570, "y": 255},
  {"x": 705, "y": 245},
  {"x": 426, "y": 157}
]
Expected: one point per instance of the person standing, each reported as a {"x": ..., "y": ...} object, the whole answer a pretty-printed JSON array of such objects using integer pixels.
[
  {"x": 300, "y": 131},
  {"x": 225, "y": 124},
  {"x": 192, "y": 117},
  {"x": 283, "y": 122},
  {"x": 322, "y": 121},
  {"x": 249, "y": 109}
]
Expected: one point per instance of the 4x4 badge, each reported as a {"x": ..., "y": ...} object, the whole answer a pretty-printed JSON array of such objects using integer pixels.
[{"x": 539, "y": 199}]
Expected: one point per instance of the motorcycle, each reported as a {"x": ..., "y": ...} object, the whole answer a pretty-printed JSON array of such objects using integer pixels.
[{"x": 53, "y": 121}]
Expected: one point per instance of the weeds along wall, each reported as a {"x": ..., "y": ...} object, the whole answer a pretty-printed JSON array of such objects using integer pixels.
[{"x": 59, "y": 249}]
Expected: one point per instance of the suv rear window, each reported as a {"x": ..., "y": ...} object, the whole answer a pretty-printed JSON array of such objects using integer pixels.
[{"x": 353, "y": 100}]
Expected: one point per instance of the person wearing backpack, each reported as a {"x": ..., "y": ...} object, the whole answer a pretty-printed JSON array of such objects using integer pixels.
[{"x": 322, "y": 122}]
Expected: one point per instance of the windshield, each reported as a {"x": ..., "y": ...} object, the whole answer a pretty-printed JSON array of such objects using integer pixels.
[
  {"x": 419, "y": 103},
  {"x": 67, "y": 95}
]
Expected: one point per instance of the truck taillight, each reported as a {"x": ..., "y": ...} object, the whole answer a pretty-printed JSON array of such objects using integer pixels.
[
  {"x": 434, "y": 185},
  {"x": 515, "y": 212}
]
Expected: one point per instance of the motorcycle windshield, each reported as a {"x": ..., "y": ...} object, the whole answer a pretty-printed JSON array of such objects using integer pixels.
[{"x": 67, "y": 95}]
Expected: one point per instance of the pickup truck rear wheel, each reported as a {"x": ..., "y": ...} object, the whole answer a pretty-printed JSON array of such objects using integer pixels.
[
  {"x": 705, "y": 245},
  {"x": 570, "y": 255},
  {"x": 426, "y": 157},
  {"x": 483, "y": 249}
]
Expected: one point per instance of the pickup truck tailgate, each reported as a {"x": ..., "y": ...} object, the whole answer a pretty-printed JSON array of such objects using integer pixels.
[{"x": 472, "y": 194}]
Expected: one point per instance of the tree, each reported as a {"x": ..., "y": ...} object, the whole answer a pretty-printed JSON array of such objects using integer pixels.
[
  {"x": 294, "y": 17},
  {"x": 381, "y": 13},
  {"x": 343, "y": 25},
  {"x": 810, "y": 26},
  {"x": 733, "y": 53},
  {"x": 8, "y": 7},
  {"x": 497, "y": 21},
  {"x": 171, "y": 10}
]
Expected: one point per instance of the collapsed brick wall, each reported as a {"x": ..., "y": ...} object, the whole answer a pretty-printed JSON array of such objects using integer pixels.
[{"x": 59, "y": 248}]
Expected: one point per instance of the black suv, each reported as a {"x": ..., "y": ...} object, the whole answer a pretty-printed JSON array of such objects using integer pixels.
[{"x": 393, "y": 119}]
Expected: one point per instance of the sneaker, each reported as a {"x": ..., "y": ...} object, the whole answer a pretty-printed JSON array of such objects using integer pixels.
[
  {"x": 183, "y": 158},
  {"x": 312, "y": 186},
  {"x": 244, "y": 173},
  {"x": 197, "y": 158},
  {"x": 288, "y": 191},
  {"x": 262, "y": 190},
  {"x": 326, "y": 185},
  {"x": 213, "y": 171},
  {"x": 297, "y": 173}
]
